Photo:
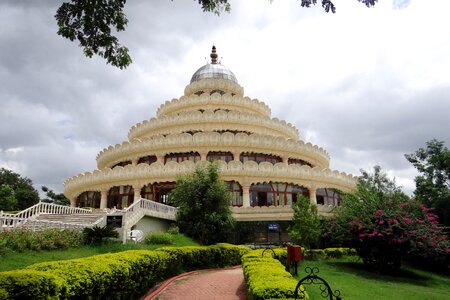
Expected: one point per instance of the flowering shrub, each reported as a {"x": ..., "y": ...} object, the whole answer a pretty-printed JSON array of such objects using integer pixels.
[{"x": 411, "y": 231}]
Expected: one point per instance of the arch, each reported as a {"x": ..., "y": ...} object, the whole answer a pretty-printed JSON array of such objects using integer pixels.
[
  {"x": 88, "y": 199},
  {"x": 149, "y": 159},
  {"x": 161, "y": 191},
  {"x": 236, "y": 193},
  {"x": 328, "y": 196},
  {"x": 182, "y": 156},
  {"x": 120, "y": 196},
  {"x": 259, "y": 157},
  {"x": 219, "y": 155},
  {"x": 122, "y": 164},
  {"x": 275, "y": 193}
]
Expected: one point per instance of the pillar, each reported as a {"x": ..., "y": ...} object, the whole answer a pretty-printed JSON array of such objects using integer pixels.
[
  {"x": 312, "y": 195},
  {"x": 203, "y": 156},
  {"x": 137, "y": 193},
  {"x": 103, "y": 199},
  {"x": 160, "y": 158},
  {"x": 236, "y": 156},
  {"x": 285, "y": 160},
  {"x": 134, "y": 161},
  {"x": 245, "y": 195},
  {"x": 73, "y": 202}
]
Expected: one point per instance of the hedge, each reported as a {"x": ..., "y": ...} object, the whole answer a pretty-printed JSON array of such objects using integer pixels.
[
  {"x": 123, "y": 275},
  {"x": 266, "y": 277}
]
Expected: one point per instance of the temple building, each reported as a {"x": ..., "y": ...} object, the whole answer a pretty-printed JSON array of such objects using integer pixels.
[{"x": 262, "y": 159}]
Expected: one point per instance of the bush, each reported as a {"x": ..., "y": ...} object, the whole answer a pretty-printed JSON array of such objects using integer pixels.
[
  {"x": 123, "y": 275},
  {"x": 97, "y": 235},
  {"x": 48, "y": 239},
  {"x": 173, "y": 229},
  {"x": 160, "y": 238},
  {"x": 266, "y": 277}
]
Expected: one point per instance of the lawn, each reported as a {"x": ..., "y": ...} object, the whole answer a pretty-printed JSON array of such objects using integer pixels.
[
  {"x": 350, "y": 277},
  {"x": 18, "y": 260}
]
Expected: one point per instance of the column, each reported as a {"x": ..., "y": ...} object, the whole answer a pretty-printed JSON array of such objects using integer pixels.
[
  {"x": 203, "y": 156},
  {"x": 73, "y": 202},
  {"x": 160, "y": 158},
  {"x": 134, "y": 161},
  {"x": 312, "y": 195},
  {"x": 236, "y": 156},
  {"x": 245, "y": 195},
  {"x": 103, "y": 199},
  {"x": 137, "y": 193},
  {"x": 285, "y": 160}
]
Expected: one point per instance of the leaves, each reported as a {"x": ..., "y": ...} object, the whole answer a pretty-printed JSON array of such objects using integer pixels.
[
  {"x": 91, "y": 22},
  {"x": 305, "y": 228},
  {"x": 203, "y": 201}
]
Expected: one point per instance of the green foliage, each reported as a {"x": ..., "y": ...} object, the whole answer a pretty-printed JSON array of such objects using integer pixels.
[
  {"x": 173, "y": 229},
  {"x": 433, "y": 183},
  {"x": 203, "y": 201},
  {"x": 7, "y": 200},
  {"x": 385, "y": 228},
  {"x": 305, "y": 228},
  {"x": 54, "y": 198},
  {"x": 124, "y": 275},
  {"x": 48, "y": 239},
  {"x": 91, "y": 22},
  {"x": 97, "y": 235},
  {"x": 12, "y": 185},
  {"x": 160, "y": 238},
  {"x": 266, "y": 277}
]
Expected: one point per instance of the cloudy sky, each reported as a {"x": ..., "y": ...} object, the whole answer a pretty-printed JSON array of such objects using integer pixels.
[{"x": 368, "y": 85}]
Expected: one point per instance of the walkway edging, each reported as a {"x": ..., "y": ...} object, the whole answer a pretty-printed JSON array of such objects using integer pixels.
[{"x": 165, "y": 283}]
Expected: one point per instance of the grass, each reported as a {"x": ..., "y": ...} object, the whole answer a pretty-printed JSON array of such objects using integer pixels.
[
  {"x": 18, "y": 260},
  {"x": 350, "y": 276}
]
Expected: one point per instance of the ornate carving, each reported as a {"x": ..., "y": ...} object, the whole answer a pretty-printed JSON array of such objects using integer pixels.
[
  {"x": 212, "y": 102},
  {"x": 250, "y": 172},
  {"x": 213, "y": 141},
  {"x": 212, "y": 121}
]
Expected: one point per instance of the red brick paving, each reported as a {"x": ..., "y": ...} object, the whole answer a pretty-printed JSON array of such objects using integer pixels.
[{"x": 221, "y": 284}]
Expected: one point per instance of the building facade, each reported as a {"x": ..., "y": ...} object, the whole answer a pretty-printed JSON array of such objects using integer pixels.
[{"x": 261, "y": 158}]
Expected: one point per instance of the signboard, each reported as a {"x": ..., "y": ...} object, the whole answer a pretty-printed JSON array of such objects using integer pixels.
[
  {"x": 274, "y": 227},
  {"x": 114, "y": 221}
]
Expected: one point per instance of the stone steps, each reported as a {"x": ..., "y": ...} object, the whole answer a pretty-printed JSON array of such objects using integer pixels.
[{"x": 72, "y": 218}]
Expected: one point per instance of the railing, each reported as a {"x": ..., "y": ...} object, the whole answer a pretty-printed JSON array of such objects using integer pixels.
[
  {"x": 149, "y": 207},
  {"x": 8, "y": 221},
  {"x": 34, "y": 225},
  {"x": 144, "y": 207},
  {"x": 47, "y": 208}
]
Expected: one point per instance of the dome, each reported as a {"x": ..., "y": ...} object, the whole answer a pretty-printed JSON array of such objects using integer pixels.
[{"x": 213, "y": 70}]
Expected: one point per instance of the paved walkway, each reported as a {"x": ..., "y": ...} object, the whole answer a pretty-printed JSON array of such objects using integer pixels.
[{"x": 218, "y": 284}]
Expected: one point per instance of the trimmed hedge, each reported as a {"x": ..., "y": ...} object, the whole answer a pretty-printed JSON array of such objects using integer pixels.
[
  {"x": 123, "y": 275},
  {"x": 266, "y": 277}
]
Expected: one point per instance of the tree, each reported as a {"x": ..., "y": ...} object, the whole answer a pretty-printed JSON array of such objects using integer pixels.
[
  {"x": 7, "y": 200},
  {"x": 91, "y": 22},
  {"x": 305, "y": 228},
  {"x": 433, "y": 183},
  {"x": 54, "y": 198},
  {"x": 22, "y": 189},
  {"x": 203, "y": 201}
]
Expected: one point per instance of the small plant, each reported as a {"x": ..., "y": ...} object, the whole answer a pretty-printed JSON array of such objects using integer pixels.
[
  {"x": 160, "y": 238},
  {"x": 173, "y": 229},
  {"x": 97, "y": 235}
]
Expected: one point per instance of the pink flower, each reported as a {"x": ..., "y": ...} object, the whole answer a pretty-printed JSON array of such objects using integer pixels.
[
  {"x": 381, "y": 222},
  {"x": 407, "y": 220},
  {"x": 361, "y": 235},
  {"x": 379, "y": 213},
  {"x": 420, "y": 221}
]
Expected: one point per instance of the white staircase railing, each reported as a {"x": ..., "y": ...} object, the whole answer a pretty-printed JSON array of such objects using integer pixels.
[
  {"x": 144, "y": 207},
  {"x": 35, "y": 225},
  {"x": 8, "y": 221}
]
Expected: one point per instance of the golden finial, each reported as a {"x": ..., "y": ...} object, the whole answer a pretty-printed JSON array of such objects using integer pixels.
[{"x": 213, "y": 55}]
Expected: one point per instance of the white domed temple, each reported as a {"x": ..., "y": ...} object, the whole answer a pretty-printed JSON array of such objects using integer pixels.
[{"x": 261, "y": 158}]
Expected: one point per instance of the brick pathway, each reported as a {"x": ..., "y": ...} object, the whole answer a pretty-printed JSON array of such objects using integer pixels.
[{"x": 221, "y": 284}]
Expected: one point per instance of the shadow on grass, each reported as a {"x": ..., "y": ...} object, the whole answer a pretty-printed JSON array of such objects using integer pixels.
[{"x": 401, "y": 275}]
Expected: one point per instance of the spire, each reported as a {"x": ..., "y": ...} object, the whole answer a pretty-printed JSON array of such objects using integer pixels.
[{"x": 213, "y": 55}]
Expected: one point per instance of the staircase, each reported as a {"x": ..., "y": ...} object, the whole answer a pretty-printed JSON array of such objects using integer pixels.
[{"x": 47, "y": 215}]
